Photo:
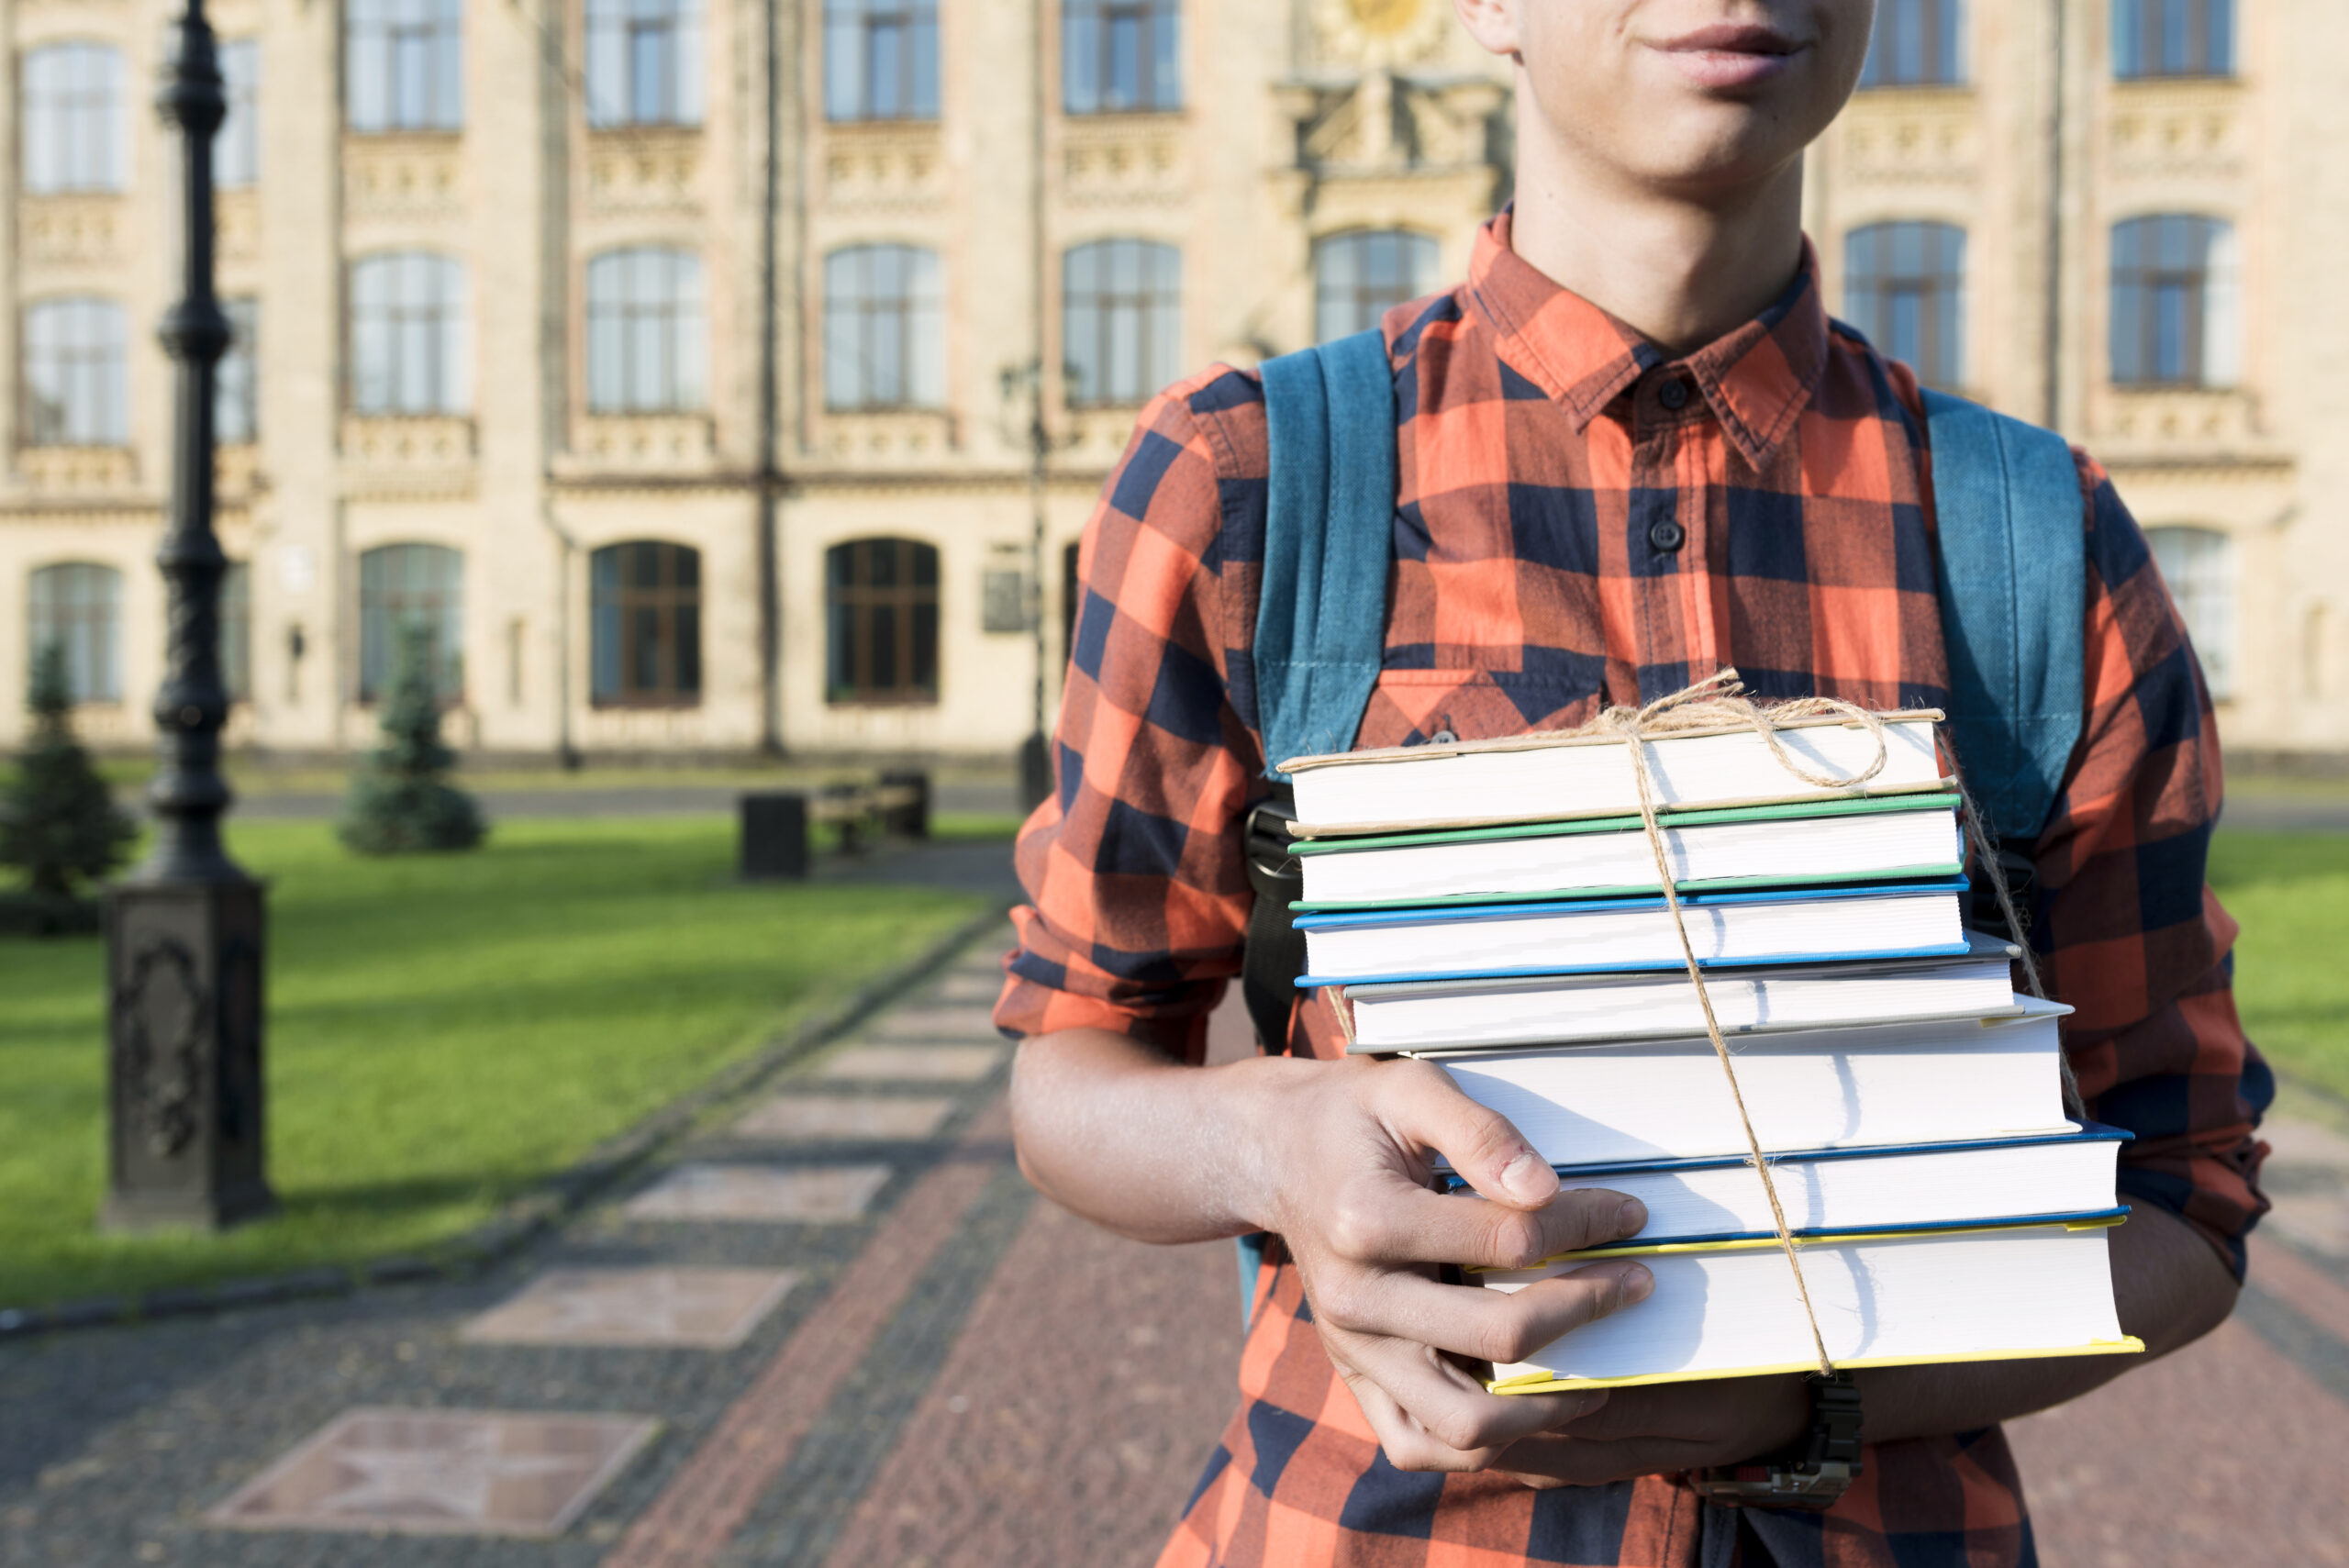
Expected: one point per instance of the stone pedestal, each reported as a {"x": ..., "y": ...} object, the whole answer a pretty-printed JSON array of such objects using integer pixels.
[{"x": 184, "y": 1076}]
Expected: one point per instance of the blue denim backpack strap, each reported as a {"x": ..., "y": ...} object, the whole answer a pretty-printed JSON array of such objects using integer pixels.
[
  {"x": 2012, "y": 583},
  {"x": 1321, "y": 627},
  {"x": 1329, "y": 540}
]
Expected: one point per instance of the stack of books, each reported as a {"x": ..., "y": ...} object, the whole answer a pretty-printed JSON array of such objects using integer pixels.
[{"x": 1494, "y": 907}]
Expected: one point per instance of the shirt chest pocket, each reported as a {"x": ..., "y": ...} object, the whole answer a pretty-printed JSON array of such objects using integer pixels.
[{"x": 1414, "y": 707}]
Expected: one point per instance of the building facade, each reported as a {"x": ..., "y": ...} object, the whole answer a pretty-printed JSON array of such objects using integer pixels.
[{"x": 717, "y": 377}]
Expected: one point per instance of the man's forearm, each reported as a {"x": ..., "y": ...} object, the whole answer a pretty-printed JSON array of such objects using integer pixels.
[
  {"x": 2170, "y": 1287},
  {"x": 1111, "y": 1128}
]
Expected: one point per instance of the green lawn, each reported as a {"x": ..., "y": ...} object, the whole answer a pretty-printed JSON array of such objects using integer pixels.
[
  {"x": 443, "y": 1032},
  {"x": 2291, "y": 892}
]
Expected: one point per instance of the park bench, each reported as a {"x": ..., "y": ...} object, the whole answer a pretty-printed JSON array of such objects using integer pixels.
[{"x": 777, "y": 825}]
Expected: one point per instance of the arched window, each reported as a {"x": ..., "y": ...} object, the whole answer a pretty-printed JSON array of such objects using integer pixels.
[
  {"x": 75, "y": 382},
  {"x": 2199, "y": 565},
  {"x": 2173, "y": 38},
  {"x": 1359, "y": 277},
  {"x": 643, "y": 63},
  {"x": 403, "y": 65},
  {"x": 237, "y": 631},
  {"x": 78, "y": 607},
  {"x": 881, "y": 622},
  {"x": 645, "y": 332},
  {"x": 1122, "y": 319},
  {"x": 644, "y": 627},
  {"x": 75, "y": 134},
  {"x": 410, "y": 346},
  {"x": 880, "y": 59},
  {"x": 236, "y": 148},
  {"x": 1917, "y": 43},
  {"x": 1122, "y": 56},
  {"x": 2172, "y": 302},
  {"x": 1904, "y": 286},
  {"x": 401, "y": 584},
  {"x": 885, "y": 332}
]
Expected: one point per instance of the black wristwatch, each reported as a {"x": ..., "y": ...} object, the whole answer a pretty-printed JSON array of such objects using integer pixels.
[{"x": 1814, "y": 1473}]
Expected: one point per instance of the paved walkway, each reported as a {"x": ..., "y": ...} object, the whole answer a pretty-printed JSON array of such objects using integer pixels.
[{"x": 836, "y": 1326}]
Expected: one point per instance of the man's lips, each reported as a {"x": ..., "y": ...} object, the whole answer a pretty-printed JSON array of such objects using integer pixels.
[{"x": 1730, "y": 54}]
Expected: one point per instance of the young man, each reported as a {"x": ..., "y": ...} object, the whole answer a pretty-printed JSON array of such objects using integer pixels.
[{"x": 1632, "y": 449}]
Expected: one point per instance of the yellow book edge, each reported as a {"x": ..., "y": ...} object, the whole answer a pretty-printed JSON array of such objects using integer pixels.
[
  {"x": 1832, "y": 1239},
  {"x": 1550, "y": 1382}
]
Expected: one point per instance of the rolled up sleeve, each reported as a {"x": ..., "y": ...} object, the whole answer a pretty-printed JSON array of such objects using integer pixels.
[
  {"x": 1138, "y": 900},
  {"x": 2129, "y": 930}
]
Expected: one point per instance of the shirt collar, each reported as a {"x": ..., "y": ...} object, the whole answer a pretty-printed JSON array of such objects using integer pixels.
[{"x": 1756, "y": 379}]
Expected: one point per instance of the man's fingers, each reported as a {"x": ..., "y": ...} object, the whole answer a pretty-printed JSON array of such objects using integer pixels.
[
  {"x": 1422, "y": 1106},
  {"x": 1488, "y": 1325},
  {"x": 1398, "y": 1223},
  {"x": 1430, "y": 1415}
]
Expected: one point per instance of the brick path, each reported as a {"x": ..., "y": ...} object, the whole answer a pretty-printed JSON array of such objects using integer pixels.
[{"x": 941, "y": 1372}]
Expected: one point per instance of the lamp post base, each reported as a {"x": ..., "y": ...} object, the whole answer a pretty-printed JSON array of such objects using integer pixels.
[{"x": 184, "y": 968}]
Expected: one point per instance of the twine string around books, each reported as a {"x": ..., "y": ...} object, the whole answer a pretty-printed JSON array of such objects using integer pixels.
[{"x": 1710, "y": 702}]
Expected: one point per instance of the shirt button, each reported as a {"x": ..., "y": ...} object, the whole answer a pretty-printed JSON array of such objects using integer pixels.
[
  {"x": 1667, "y": 536},
  {"x": 1673, "y": 395}
]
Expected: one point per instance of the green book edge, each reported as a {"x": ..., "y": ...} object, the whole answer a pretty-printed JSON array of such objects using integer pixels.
[
  {"x": 1706, "y": 885},
  {"x": 1851, "y": 805}
]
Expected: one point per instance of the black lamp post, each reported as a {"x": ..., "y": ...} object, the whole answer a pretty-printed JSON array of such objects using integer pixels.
[{"x": 185, "y": 929}]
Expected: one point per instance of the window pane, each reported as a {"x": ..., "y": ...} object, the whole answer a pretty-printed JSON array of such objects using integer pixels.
[
  {"x": 1359, "y": 276},
  {"x": 237, "y": 412},
  {"x": 1904, "y": 288},
  {"x": 405, "y": 584},
  {"x": 76, "y": 608},
  {"x": 236, "y": 147},
  {"x": 237, "y": 631},
  {"x": 2197, "y": 565}
]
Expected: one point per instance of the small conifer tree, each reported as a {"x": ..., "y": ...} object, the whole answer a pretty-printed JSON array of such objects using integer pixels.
[
  {"x": 59, "y": 823},
  {"x": 401, "y": 801}
]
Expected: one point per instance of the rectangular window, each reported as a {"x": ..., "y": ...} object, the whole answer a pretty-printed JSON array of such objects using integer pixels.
[
  {"x": 2172, "y": 302},
  {"x": 2173, "y": 38},
  {"x": 236, "y": 412},
  {"x": 74, "y": 138},
  {"x": 881, "y": 622},
  {"x": 1917, "y": 43},
  {"x": 77, "y": 608},
  {"x": 644, "y": 62},
  {"x": 1904, "y": 286},
  {"x": 409, "y": 346},
  {"x": 411, "y": 585},
  {"x": 75, "y": 391},
  {"x": 881, "y": 59},
  {"x": 1122, "y": 56},
  {"x": 236, "y": 148},
  {"x": 1121, "y": 320},
  {"x": 404, "y": 64},
  {"x": 237, "y": 631},
  {"x": 644, "y": 631}
]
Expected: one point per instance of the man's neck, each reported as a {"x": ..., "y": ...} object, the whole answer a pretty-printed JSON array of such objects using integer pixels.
[{"x": 1680, "y": 271}]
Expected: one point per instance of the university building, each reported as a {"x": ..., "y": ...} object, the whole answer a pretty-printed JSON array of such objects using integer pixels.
[{"x": 711, "y": 376}]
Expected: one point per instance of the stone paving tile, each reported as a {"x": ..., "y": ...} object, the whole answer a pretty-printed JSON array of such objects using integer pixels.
[
  {"x": 784, "y": 1195},
  {"x": 915, "y": 1064},
  {"x": 712, "y": 1309},
  {"x": 1072, "y": 1419},
  {"x": 441, "y": 1472},
  {"x": 2221, "y": 1452},
  {"x": 980, "y": 986},
  {"x": 2307, "y": 1178},
  {"x": 846, "y": 1117},
  {"x": 974, "y": 1022}
]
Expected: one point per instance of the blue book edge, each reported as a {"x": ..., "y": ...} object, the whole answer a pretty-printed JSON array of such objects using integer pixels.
[
  {"x": 1537, "y": 971},
  {"x": 1456, "y": 915}
]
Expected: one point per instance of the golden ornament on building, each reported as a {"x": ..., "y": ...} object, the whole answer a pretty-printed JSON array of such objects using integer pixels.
[{"x": 1380, "y": 34}]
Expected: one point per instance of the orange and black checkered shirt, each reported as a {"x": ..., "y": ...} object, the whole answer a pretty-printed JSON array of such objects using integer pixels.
[{"x": 1582, "y": 519}]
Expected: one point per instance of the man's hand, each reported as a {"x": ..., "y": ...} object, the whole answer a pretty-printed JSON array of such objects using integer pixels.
[
  {"x": 1336, "y": 1156},
  {"x": 1348, "y": 1192},
  {"x": 1668, "y": 1426}
]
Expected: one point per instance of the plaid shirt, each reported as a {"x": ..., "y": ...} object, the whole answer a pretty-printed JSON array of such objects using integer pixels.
[{"x": 1582, "y": 519}]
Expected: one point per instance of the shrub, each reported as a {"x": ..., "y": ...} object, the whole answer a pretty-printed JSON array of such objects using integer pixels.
[
  {"x": 59, "y": 823},
  {"x": 401, "y": 801}
]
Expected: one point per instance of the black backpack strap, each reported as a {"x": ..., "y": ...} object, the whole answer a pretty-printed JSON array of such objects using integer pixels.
[{"x": 1276, "y": 947}]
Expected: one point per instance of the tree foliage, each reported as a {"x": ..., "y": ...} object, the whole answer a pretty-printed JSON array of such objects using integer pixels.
[
  {"x": 401, "y": 801},
  {"x": 59, "y": 823}
]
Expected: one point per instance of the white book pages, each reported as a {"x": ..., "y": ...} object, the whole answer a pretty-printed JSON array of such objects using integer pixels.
[
  {"x": 1939, "y": 1297},
  {"x": 1636, "y": 1007},
  {"x": 1934, "y": 1083},
  {"x": 1818, "y": 848},
  {"x": 1439, "y": 786},
  {"x": 1790, "y": 932},
  {"x": 1872, "y": 1192}
]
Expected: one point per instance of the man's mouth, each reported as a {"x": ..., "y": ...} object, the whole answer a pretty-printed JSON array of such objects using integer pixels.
[{"x": 1730, "y": 54}]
